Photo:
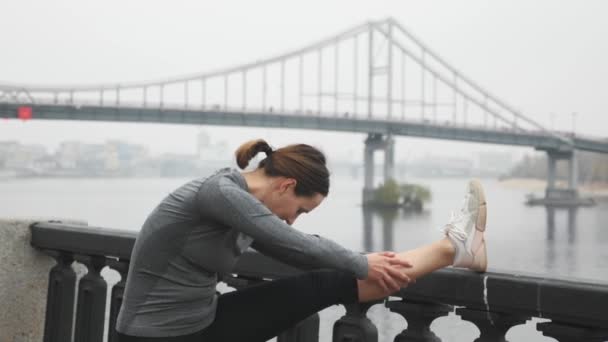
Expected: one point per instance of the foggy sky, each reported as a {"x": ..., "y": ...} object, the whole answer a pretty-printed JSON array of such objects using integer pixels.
[{"x": 540, "y": 56}]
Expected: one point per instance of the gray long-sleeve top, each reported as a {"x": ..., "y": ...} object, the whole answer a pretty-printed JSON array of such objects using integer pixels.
[{"x": 198, "y": 232}]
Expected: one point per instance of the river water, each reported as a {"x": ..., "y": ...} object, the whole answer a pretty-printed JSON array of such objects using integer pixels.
[{"x": 520, "y": 238}]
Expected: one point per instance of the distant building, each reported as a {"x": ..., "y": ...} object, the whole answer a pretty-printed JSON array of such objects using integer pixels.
[
  {"x": 112, "y": 158},
  {"x": 208, "y": 151},
  {"x": 68, "y": 153},
  {"x": 123, "y": 156},
  {"x": 203, "y": 144},
  {"x": 7, "y": 148},
  {"x": 45, "y": 163},
  {"x": 15, "y": 156},
  {"x": 92, "y": 159}
]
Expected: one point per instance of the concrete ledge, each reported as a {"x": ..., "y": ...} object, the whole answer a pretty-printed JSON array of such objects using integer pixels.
[{"x": 24, "y": 273}]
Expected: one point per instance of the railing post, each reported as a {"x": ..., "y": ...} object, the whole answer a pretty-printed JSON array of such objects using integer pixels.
[
  {"x": 60, "y": 299},
  {"x": 355, "y": 326},
  {"x": 91, "y": 305},
  {"x": 564, "y": 332},
  {"x": 493, "y": 326},
  {"x": 419, "y": 316},
  {"x": 305, "y": 331},
  {"x": 117, "y": 294}
]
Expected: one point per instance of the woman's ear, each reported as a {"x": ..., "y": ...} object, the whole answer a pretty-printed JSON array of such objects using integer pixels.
[{"x": 288, "y": 183}]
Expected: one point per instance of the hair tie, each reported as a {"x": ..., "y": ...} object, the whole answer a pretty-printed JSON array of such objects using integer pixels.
[{"x": 269, "y": 151}]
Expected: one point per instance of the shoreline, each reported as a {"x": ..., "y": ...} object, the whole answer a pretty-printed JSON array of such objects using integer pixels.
[{"x": 595, "y": 190}]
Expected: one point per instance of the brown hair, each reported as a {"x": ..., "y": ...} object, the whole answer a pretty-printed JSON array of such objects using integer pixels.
[{"x": 302, "y": 162}]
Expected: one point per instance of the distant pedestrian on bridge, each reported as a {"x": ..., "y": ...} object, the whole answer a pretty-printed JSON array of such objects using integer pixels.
[{"x": 198, "y": 232}]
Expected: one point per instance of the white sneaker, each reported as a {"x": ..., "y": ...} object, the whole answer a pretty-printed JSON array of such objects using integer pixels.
[{"x": 466, "y": 227}]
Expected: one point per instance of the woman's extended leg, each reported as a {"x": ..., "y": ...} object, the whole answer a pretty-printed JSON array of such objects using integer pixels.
[
  {"x": 263, "y": 311},
  {"x": 463, "y": 246},
  {"x": 424, "y": 260}
]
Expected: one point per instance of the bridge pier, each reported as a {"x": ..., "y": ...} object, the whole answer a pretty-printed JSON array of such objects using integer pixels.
[
  {"x": 561, "y": 196},
  {"x": 373, "y": 142},
  {"x": 552, "y": 158},
  {"x": 553, "y": 192}
]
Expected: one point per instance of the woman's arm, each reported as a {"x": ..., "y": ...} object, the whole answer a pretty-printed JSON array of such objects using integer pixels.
[
  {"x": 224, "y": 201},
  {"x": 299, "y": 260}
]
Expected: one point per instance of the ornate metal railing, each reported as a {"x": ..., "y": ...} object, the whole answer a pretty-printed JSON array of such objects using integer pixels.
[{"x": 494, "y": 302}]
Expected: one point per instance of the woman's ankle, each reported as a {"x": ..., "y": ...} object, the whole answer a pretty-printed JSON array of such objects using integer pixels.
[{"x": 448, "y": 248}]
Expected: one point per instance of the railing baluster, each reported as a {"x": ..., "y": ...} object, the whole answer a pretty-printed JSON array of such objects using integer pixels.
[
  {"x": 91, "y": 305},
  {"x": 60, "y": 299},
  {"x": 117, "y": 294},
  {"x": 564, "y": 332},
  {"x": 355, "y": 326},
  {"x": 492, "y": 325},
  {"x": 419, "y": 316}
]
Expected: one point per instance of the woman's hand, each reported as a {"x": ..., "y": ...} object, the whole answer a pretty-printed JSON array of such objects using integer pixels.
[{"x": 386, "y": 269}]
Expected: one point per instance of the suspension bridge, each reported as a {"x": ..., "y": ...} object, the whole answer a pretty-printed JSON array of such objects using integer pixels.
[{"x": 376, "y": 78}]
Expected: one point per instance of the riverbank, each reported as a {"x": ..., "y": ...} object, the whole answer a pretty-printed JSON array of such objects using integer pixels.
[{"x": 597, "y": 191}]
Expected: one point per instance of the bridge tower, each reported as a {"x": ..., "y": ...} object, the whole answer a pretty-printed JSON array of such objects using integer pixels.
[{"x": 374, "y": 142}]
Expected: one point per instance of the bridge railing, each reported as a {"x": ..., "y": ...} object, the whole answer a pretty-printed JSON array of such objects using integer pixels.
[
  {"x": 494, "y": 302},
  {"x": 214, "y": 107}
]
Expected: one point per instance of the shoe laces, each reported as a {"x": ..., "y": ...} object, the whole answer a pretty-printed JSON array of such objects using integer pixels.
[{"x": 455, "y": 225}]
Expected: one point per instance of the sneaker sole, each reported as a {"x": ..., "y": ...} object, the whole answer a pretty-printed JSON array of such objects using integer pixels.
[
  {"x": 480, "y": 224},
  {"x": 478, "y": 247},
  {"x": 480, "y": 259}
]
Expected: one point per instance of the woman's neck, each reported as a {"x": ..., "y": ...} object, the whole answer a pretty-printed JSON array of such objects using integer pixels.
[{"x": 258, "y": 183}]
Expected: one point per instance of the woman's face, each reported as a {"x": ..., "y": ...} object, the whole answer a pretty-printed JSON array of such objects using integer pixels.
[{"x": 284, "y": 203}]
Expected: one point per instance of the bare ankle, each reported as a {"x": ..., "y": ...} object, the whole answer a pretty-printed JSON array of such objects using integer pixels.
[{"x": 448, "y": 247}]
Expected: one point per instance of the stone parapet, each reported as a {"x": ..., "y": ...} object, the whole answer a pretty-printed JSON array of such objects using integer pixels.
[{"x": 24, "y": 274}]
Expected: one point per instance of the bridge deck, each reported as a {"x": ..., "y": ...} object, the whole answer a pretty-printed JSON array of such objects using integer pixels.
[{"x": 345, "y": 123}]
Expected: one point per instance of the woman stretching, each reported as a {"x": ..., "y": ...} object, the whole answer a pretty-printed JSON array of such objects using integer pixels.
[{"x": 198, "y": 232}]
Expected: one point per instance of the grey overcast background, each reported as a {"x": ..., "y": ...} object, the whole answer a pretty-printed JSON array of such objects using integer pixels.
[{"x": 540, "y": 56}]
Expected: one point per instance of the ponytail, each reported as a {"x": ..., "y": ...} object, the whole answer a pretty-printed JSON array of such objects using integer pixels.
[
  {"x": 250, "y": 149},
  {"x": 302, "y": 162}
]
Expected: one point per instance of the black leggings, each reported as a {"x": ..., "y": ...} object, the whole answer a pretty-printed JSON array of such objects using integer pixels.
[{"x": 261, "y": 312}]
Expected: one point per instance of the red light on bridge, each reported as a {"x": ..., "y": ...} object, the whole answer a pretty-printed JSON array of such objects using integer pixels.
[{"x": 24, "y": 113}]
